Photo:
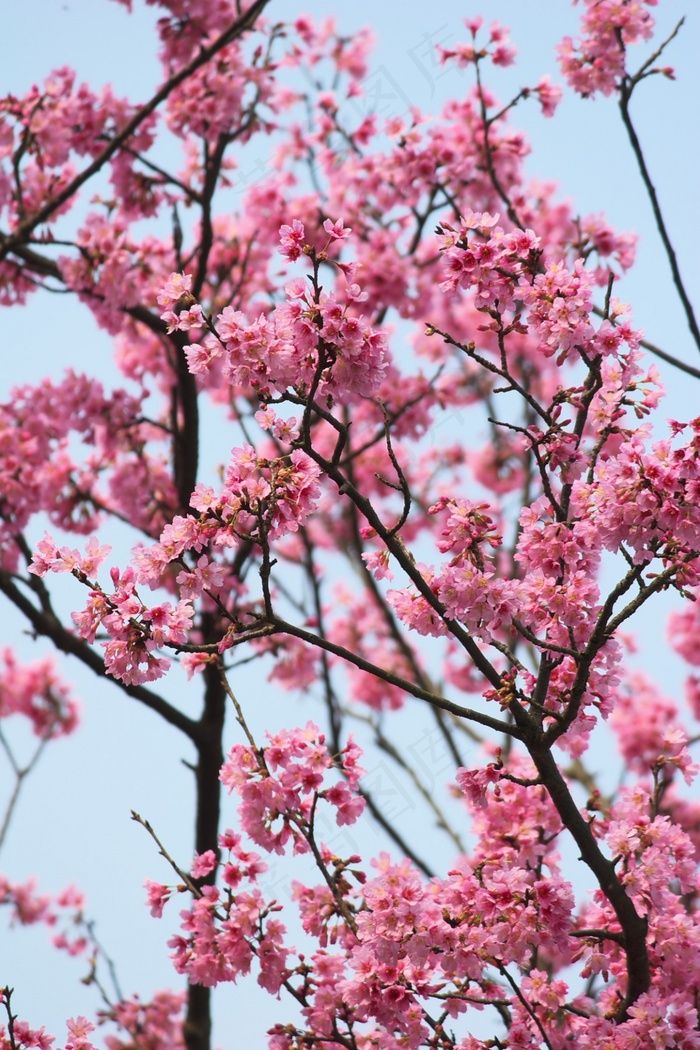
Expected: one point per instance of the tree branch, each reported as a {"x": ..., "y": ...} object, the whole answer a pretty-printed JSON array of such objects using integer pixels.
[
  {"x": 240, "y": 26},
  {"x": 626, "y": 89},
  {"x": 634, "y": 926}
]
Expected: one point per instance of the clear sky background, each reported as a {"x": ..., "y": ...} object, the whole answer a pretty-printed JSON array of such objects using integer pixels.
[{"x": 72, "y": 824}]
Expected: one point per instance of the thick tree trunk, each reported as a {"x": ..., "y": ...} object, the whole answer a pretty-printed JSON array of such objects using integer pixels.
[{"x": 197, "y": 1029}]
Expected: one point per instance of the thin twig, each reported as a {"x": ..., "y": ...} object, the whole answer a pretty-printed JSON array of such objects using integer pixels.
[
  {"x": 187, "y": 881},
  {"x": 626, "y": 88}
]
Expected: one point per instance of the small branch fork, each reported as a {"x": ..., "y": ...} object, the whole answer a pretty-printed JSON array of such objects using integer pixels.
[
  {"x": 20, "y": 774},
  {"x": 6, "y": 1001}
]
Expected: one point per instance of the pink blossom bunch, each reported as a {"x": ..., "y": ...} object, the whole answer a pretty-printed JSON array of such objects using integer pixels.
[
  {"x": 315, "y": 341},
  {"x": 477, "y": 252},
  {"x": 560, "y": 303},
  {"x": 223, "y": 929},
  {"x": 648, "y": 492},
  {"x": 656, "y": 743},
  {"x": 157, "y": 1023},
  {"x": 37, "y": 425},
  {"x": 65, "y": 121},
  {"x": 356, "y": 626},
  {"x": 50, "y": 558},
  {"x": 212, "y": 952},
  {"x": 61, "y": 913},
  {"x": 608, "y": 244},
  {"x": 284, "y": 783},
  {"x": 35, "y": 691},
  {"x": 596, "y": 62},
  {"x": 23, "y": 1035},
  {"x": 505, "y": 267},
  {"x": 498, "y": 48},
  {"x": 135, "y": 630}
]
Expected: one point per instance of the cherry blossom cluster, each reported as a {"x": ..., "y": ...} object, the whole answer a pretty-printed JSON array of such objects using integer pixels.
[
  {"x": 314, "y": 341},
  {"x": 611, "y": 246},
  {"x": 222, "y": 928},
  {"x": 480, "y": 254},
  {"x": 22, "y": 1036},
  {"x": 410, "y": 941},
  {"x": 108, "y": 274},
  {"x": 319, "y": 40},
  {"x": 280, "y": 786},
  {"x": 221, "y": 940},
  {"x": 262, "y": 499},
  {"x": 418, "y": 942},
  {"x": 651, "y": 735},
  {"x": 415, "y": 941},
  {"x": 505, "y": 267},
  {"x": 50, "y": 558},
  {"x": 156, "y": 1024},
  {"x": 281, "y": 782},
  {"x": 38, "y": 425},
  {"x": 659, "y": 864},
  {"x": 214, "y": 99},
  {"x": 62, "y": 913},
  {"x": 498, "y": 48},
  {"x": 500, "y": 51},
  {"x": 27, "y": 907},
  {"x": 596, "y": 61},
  {"x": 468, "y": 592},
  {"x": 644, "y": 498},
  {"x": 360, "y": 627},
  {"x": 35, "y": 691},
  {"x": 45, "y": 131},
  {"x": 135, "y": 630},
  {"x": 682, "y": 628}
]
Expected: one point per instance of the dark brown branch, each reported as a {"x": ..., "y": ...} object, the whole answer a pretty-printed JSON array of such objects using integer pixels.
[
  {"x": 634, "y": 926},
  {"x": 404, "y": 646},
  {"x": 488, "y": 152},
  {"x": 513, "y": 384},
  {"x": 400, "y": 841},
  {"x": 334, "y": 717},
  {"x": 20, "y": 774},
  {"x": 6, "y": 994},
  {"x": 212, "y": 170},
  {"x": 210, "y": 758},
  {"x": 166, "y": 177},
  {"x": 186, "y": 428},
  {"x": 626, "y": 89},
  {"x": 393, "y": 679}
]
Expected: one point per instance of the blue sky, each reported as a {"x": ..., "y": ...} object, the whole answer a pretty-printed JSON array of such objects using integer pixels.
[{"x": 123, "y": 757}]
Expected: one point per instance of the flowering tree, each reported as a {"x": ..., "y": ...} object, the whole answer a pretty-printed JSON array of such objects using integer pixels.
[{"x": 383, "y": 276}]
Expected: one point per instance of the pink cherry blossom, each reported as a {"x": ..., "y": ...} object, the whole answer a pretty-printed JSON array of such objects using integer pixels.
[{"x": 388, "y": 446}]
